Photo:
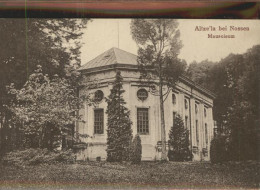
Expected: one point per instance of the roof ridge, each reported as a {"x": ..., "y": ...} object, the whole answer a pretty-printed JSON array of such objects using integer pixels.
[
  {"x": 82, "y": 66},
  {"x": 124, "y": 51},
  {"x": 115, "y": 53}
]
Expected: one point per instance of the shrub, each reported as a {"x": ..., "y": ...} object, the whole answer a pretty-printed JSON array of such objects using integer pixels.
[
  {"x": 179, "y": 141},
  {"x": 37, "y": 156},
  {"x": 218, "y": 149},
  {"x": 136, "y": 150}
]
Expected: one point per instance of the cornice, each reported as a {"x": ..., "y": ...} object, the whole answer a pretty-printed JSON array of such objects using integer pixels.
[{"x": 128, "y": 67}]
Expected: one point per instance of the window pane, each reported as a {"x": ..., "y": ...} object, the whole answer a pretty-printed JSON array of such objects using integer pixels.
[
  {"x": 99, "y": 121},
  {"x": 142, "y": 121}
]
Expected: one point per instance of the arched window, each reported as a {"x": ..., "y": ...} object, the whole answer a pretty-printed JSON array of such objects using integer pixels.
[
  {"x": 205, "y": 112},
  {"x": 196, "y": 108},
  {"x": 99, "y": 95},
  {"x": 142, "y": 94}
]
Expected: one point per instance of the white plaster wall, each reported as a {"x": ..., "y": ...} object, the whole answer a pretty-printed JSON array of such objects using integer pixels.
[{"x": 97, "y": 143}]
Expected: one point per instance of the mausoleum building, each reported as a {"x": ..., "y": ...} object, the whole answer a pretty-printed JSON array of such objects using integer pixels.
[{"x": 193, "y": 102}]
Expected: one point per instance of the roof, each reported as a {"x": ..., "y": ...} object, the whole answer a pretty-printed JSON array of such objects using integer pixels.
[{"x": 111, "y": 57}]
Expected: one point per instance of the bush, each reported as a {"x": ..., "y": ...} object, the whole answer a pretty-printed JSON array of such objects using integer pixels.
[
  {"x": 37, "y": 156},
  {"x": 179, "y": 142},
  {"x": 218, "y": 149},
  {"x": 136, "y": 150}
]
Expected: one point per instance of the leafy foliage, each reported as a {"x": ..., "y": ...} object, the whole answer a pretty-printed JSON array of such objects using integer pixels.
[
  {"x": 52, "y": 43},
  {"x": 119, "y": 132},
  {"x": 201, "y": 72},
  {"x": 159, "y": 46},
  {"x": 179, "y": 141},
  {"x": 243, "y": 127},
  {"x": 136, "y": 150},
  {"x": 235, "y": 81},
  {"x": 46, "y": 109}
]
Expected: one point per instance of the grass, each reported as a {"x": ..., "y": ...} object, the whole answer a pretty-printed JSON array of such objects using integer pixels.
[{"x": 94, "y": 175}]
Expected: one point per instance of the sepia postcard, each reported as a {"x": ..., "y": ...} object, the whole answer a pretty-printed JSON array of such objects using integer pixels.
[{"x": 129, "y": 98}]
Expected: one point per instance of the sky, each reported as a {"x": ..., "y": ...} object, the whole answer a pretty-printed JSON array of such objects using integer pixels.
[{"x": 103, "y": 34}]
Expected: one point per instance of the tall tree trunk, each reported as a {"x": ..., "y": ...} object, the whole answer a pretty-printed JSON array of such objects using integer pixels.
[
  {"x": 1, "y": 133},
  {"x": 163, "y": 137}
]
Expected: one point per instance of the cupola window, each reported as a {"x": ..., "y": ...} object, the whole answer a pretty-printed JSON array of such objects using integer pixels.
[
  {"x": 99, "y": 95},
  {"x": 142, "y": 94}
]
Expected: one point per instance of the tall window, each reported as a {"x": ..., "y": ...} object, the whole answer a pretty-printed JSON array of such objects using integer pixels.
[
  {"x": 173, "y": 117},
  {"x": 186, "y": 103},
  {"x": 196, "y": 108},
  {"x": 205, "y": 112},
  {"x": 186, "y": 122},
  {"x": 173, "y": 99},
  {"x": 99, "y": 121},
  {"x": 142, "y": 121},
  {"x": 206, "y": 134},
  {"x": 197, "y": 132}
]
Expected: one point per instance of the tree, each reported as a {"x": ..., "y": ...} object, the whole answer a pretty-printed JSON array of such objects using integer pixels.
[
  {"x": 159, "y": 45},
  {"x": 235, "y": 81},
  {"x": 52, "y": 43},
  {"x": 119, "y": 132},
  {"x": 201, "y": 72},
  {"x": 46, "y": 109},
  {"x": 179, "y": 141},
  {"x": 218, "y": 149},
  {"x": 243, "y": 114},
  {"x": 214, "y": 76}
]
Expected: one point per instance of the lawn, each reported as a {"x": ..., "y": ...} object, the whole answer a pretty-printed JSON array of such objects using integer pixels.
[{"x": 94, "y": 175}]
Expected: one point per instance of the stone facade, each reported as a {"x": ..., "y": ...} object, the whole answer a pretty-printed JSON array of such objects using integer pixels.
[{"x": 192, "y": 102}]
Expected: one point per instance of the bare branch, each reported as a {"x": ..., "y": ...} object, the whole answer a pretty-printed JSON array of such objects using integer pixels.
[{"x": 167, "y": 93}]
